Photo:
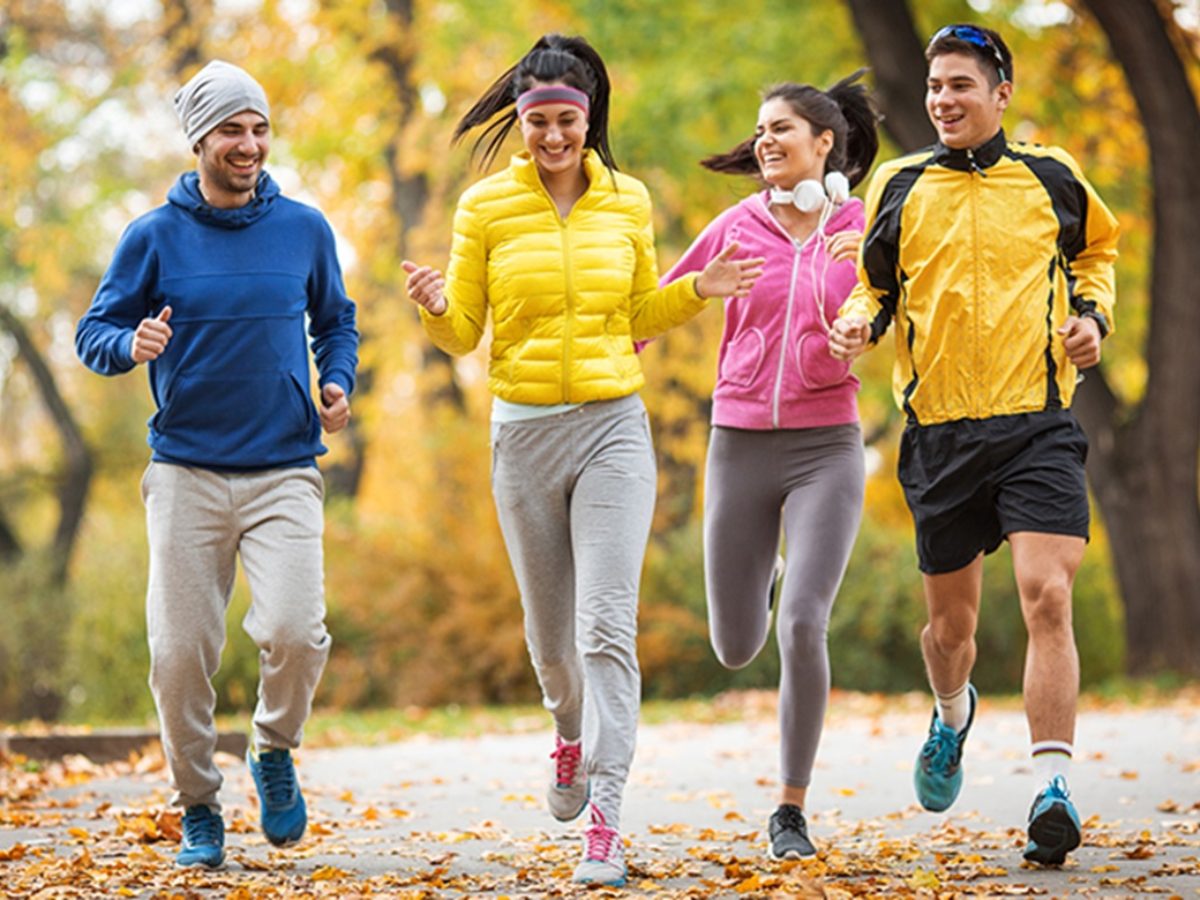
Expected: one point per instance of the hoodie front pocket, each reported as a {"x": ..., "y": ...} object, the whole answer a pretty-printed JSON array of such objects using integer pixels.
[
  {"x": 817, "y": 368},
  {"x": 744, "y": 358},
  {"x": 255, "y": 414}
]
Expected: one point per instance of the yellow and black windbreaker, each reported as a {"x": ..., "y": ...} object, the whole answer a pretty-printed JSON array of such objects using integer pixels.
[{"x": 978, "y": 256}]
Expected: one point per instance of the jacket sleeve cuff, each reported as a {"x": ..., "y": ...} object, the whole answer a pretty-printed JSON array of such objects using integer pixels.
[
  {"x": 1100, "y": 320},
  {"x": 430, "y": 317}
]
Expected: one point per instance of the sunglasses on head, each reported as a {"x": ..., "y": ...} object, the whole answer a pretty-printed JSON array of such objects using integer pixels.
[{"x": 976, "y": 37}]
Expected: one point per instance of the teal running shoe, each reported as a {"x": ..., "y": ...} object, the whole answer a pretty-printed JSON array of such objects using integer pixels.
[
  {"x": 1054, "y": 829},
  {"x": 283, "y": 813},
  {"x": 203, "y": 843},
  {"x": 937, "y": 775}
]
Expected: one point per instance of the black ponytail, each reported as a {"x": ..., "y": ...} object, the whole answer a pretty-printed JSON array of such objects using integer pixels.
[
  {"x": 738, "y": 161},
  {"x": 553, "y": 59},
  {"x": 862, "y": 135}
]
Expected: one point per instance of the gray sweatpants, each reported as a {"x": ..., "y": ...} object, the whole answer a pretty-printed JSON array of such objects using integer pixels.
[
  {"x": 575, "y": 496},
  {"x": 816, "y": 477},
  {"x": 198, "y": 523}
]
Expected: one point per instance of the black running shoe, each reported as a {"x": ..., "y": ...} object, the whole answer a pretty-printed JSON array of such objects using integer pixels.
[{"x": 789, "y": 834}]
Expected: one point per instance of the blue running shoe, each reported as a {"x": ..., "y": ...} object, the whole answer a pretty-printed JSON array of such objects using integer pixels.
[
  {"x": 937, "y": 775},
  {"x": 203, "y": 842},
  {"x": 1054, "y": 829},
  {"x": 281, "y": 804}
]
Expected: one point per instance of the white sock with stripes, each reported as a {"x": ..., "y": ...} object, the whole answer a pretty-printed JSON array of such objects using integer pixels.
[
  {"x": 1051, "y": 759},
  {"x": 954, "y": 709}
]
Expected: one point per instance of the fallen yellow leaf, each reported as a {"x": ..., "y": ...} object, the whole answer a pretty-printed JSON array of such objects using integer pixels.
[
  {"x": 924, "y": 878},
  {"x": 327, "y": 873}
]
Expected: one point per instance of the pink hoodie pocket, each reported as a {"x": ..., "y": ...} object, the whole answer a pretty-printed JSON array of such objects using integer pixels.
[
  {"x": 743, "y": 358},
  {"x": 817, "y": 368}
]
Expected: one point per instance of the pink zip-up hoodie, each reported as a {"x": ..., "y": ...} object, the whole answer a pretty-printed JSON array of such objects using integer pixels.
[{"x": 774, "y": 369}]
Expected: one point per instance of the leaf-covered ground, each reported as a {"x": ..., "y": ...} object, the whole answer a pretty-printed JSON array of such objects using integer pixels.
[{"x": 431, "y": 818}]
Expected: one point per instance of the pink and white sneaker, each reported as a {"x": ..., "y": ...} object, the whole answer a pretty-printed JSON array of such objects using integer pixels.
[
  {"x": 568, "y": 793},
  {"x": 603, "y": 854}
]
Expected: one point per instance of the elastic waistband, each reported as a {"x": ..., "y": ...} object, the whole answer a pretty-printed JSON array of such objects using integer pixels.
[{"x": 593, "y": 411}]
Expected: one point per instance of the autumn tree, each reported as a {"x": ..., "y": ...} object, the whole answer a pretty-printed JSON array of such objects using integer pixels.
[
  {"x": 1144, "y": 462},
  {"x": 41, "y": 444}
]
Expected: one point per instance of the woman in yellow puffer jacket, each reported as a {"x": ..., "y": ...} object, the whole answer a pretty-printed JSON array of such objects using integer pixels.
[{"x": 560, "y": 248}]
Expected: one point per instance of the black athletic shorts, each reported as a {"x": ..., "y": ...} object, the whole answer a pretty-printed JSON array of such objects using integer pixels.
[{"x": 972, "y": 482}]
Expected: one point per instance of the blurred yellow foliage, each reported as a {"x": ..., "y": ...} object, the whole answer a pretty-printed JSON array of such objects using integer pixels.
[{"x": 422, "y": 604}]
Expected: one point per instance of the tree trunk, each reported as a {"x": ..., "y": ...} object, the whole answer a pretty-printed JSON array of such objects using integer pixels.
[
  {"x": 410, "y": 193},
  {"x": 183, "y": 29},
  {"x": 1154, "y": 532},
  {"x": 10, "y": 545},
  {"x": 1144, "y": 465},
  {"x": 77, "y": 461},
  {"x": 897, "y": 68}
]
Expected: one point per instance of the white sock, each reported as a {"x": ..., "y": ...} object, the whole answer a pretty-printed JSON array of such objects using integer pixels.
[
  {"x": 1051, "y": 759},
  {"x": 954, "y": 709}
]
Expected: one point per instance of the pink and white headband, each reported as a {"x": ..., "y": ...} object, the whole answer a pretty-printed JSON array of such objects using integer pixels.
[{"x": 558, "y": 93}]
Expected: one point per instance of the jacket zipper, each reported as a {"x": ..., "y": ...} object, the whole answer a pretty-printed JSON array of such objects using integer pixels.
[
  {"x": 976, "y": 373},
  {"x": 787, "y": 328},
  {"x": 798, "y": 248},
  {"x": 569, "y": 312}
]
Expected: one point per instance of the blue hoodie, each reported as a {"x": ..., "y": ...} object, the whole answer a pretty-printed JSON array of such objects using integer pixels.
[{"x": 232, "y": 387}]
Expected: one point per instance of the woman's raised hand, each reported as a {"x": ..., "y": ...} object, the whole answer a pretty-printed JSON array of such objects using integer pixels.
[
  {"x": 424, "y": 286},
  {"x": 725, "y": 276}
]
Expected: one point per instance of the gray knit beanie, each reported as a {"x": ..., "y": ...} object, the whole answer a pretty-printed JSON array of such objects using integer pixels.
[{"x": 215, "y": 93}]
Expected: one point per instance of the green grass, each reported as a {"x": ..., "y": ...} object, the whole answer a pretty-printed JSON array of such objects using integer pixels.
[
  {"x": 334, "y": 728},
  {"x": 331, "y": 728}
]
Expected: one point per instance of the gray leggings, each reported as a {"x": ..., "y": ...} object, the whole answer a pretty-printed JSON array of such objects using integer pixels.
[
  {"x": 816, "y": 477},
  {"x": 575, "y": 496}
]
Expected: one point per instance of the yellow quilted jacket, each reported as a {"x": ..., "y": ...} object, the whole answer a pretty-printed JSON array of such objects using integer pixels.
[
  {"x": 977, "y": 257},
  {"x": 568, "y": 297}
]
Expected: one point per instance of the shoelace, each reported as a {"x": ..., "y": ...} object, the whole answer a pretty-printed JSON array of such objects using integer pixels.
[
  {"x": 599, "y": 836},
  {"x": 1058, "y": 788},
  {"x": 202, "y": 830},
  {"x": 790, "y": 818},
  {"x": 278, "y": 777},
  {"x": 942, "y": 752},
  {"x": 567, "y": 758}
]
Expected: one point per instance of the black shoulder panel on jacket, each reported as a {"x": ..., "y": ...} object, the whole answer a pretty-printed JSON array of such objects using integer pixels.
[
  {"x": 1067, "y": 196},
  {"x": 881, "y": 248}
]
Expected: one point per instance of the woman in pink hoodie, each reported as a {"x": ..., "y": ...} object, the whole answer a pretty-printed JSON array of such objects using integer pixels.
[{"x": 786, "y": 447}]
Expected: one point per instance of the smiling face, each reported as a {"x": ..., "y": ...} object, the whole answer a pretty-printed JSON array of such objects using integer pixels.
[
  {"x": 231, "y": 156},
  {"x": 787, "y": 150},
  {"x": 554, "y": 135},
  {"x": 964, "y": 108}
]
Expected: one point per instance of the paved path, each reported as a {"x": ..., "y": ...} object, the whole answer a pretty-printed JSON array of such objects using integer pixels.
[{"x": 429, "y": 818}]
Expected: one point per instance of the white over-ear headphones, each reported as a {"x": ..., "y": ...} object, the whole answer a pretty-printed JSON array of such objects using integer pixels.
[{"x": 809, "y": 196}]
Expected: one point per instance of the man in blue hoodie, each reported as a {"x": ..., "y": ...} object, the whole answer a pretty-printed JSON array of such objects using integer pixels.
[{"x": 214, "y": 291}]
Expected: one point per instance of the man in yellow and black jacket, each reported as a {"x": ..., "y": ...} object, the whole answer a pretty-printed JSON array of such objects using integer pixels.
[{"x": 994, "y": 260}]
